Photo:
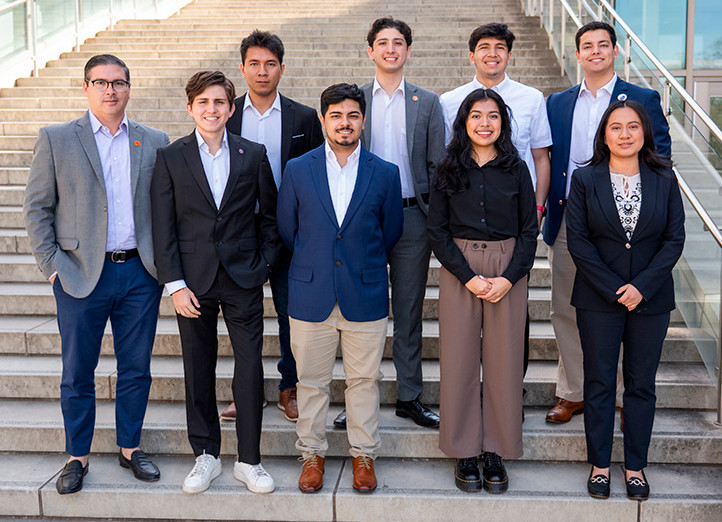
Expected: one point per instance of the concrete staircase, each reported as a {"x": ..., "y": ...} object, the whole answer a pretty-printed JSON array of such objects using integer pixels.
[{"x": 325, "y": 43}]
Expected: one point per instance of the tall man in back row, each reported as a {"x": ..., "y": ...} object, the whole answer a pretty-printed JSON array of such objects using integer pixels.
[
  {"x": 404, "y": 126},
  {"x": 288, "y": 129},
  {"x": 574, "y": 116},
  {"x": 87, "y": 213}
]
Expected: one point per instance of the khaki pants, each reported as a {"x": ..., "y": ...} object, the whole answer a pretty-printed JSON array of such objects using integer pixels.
[
  {"x": 467, "y": 428},
  {"x": 314, "y": 347}
]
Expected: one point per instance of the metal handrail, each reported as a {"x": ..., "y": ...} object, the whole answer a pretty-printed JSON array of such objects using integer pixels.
[{"x": 13, "y": 5}]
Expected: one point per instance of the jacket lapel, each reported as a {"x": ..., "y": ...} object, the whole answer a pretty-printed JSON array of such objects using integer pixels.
[
  {"x": 620, "y": 87},
  {"x": 649, "y": 196},
  {"x": 412, "y": 113},
  {"x": 87, "y": 141},
  {"x": 286, "y": 129},
  {"x": 320, "y": 181},
  {"x": 566, "y": 114},
  {"x": 603, "y": 190},
  {"x": 195, "y": 166},
  {"x": 363, "y": 180},
  {"x": 135, "y": 135},
  {"x": 366, "y": 134},
  {"x": 236, "y": 166}
]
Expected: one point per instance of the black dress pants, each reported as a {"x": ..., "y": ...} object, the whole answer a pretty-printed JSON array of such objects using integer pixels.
[{"x": 243, "y": 314}]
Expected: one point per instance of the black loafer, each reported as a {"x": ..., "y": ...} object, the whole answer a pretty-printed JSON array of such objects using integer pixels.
[
  {"x": 495, "y": 478},
  {"x": 340, "y": 421},
  {"x": 638, "y": 489},
  {"x": 418, "y": 413},
  {"x": 467, "y": 476},
  {"x": 598, "y": 485},
  {"x": 71, "y": 478},
  {"x": 141, "y": 466}
]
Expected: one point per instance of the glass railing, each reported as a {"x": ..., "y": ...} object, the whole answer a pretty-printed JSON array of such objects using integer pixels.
[
  {"x": 35, "y": 31},
  {"x": 696, "y": 153}
]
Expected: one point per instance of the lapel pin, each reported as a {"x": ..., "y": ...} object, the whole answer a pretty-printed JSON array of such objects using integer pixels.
[
  {"x": 622, "y": 97},
  {"x": 415, "y": 98},
  {"x": 136, "y": 143},
  {"x": 240, "y": 151}
]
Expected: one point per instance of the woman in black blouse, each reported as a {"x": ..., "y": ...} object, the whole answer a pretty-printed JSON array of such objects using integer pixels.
[
  {"x": 625, "y": 230},
  {"x": 482, "y": 226}
]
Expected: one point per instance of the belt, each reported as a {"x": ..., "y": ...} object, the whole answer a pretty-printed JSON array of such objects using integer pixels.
[
  {"x": 410, "y": 202},
  {"x": 121, "y": 256}
]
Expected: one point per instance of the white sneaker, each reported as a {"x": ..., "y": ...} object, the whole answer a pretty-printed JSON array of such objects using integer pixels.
[
  {"x": 254, "y": 477},
  {"x": 206, "y": 468}
]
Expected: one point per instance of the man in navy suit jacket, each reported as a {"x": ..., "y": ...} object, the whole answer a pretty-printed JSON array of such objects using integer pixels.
[
  {"x": 574, "y": 116},
  {"x": 340, "y": 213}
]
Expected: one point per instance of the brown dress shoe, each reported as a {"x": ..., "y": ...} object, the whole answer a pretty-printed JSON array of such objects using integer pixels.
[
  {"x": 311, "y": 479},
  {"x": 564, "y": 410},
  {"x": 364, "y": 479},
  {"x": 229, "y": 414},
  {"x": 288, "y": 404}
]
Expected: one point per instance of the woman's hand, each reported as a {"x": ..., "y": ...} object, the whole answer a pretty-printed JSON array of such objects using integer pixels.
[
  {"x": 499, "y": 288},
  {"x": 478, "y": 286},
  {"x": 186, "y": 304},
  {"x": 630, "y": 296}
]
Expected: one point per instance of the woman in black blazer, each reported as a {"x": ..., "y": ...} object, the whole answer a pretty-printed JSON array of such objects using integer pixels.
[{"x": 625, "y": 225}]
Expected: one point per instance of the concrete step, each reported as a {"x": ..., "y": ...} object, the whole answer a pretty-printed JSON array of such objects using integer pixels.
[
  {"x": 11, "y": 195},
  {"x": 419, "y": 490},
  {"x": 24, "y": 335},
  {"x": 679, "y": 436},
  {"x": 38, "y": 377}
]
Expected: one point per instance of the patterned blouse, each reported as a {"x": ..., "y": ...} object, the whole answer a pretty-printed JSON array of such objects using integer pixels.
[{"x": 627, "y": 192}]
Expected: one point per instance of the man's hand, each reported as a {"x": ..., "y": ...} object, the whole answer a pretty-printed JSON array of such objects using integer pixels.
[
  {"x": 630, "y": 298},
  {"x": 478, "y": 286},
  {"x": 186, "y": 304},
  {"x": 500, "y": 286}
]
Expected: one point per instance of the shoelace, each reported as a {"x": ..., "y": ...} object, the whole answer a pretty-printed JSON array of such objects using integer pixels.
[
  {"x": 201, "y": 465},
  {"x": 257, "y": 472},
  {"x": 492, "y": 461},
  {"x": 365, "y": 462},
  {"x": 599, "y": 479},
  {"x": 309, "y": 462}
]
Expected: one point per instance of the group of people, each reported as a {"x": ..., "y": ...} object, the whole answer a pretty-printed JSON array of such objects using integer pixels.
[{"x": 114, "y": 213}]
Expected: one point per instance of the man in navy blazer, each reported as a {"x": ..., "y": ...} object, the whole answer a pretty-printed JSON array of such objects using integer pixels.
[
  {"x": 574, "y": 116},
  {"x": 340, "y": 213}
]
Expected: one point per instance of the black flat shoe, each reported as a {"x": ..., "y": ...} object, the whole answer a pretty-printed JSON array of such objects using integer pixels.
[
  {"x": 495, "y": 478},
  {"x": 141, "y": 466},
  {"x": 71, "y": 478},
  {"x": 418, "y": 413},
  {"x": 598, "y": 485},
  {"x": 638, "y": 489},
  {"x": 340, "y": 421},
  {"x": 467, "y": 476}
]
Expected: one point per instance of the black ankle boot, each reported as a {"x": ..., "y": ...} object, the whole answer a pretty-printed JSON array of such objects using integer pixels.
[
  {"x": 467, "y": 475},
  {"x": 495, "y": 478}
]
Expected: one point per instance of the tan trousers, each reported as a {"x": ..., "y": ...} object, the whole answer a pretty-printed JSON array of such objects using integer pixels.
[
  {"x": 314, "y": 347},
  {"x": 467, "y": 428},
  {"x": 570, "y": 373}
]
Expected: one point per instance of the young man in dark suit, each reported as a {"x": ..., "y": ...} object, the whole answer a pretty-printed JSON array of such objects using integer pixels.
[
  {"x": 213, "y": 248},
  {"x": 574, "y": 116},
  {"x": 288, "y": 129}
]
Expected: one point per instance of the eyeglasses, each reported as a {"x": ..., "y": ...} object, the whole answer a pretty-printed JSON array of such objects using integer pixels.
[{"x": 118, "y": 85}]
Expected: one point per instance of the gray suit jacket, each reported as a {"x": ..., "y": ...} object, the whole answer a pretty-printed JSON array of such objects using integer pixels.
[
  {"x": 65, "y": 202},
  {"x": 424, "y": 135}
]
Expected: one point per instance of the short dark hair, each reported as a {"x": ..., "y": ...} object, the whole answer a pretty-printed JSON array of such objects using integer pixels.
[
  {"x": 648, "y": 153},
  {"x": 339, "y": 92},
  {"x": 388, "y": 23},
  {"x": 104, "y": 59},
  {"x": 593, "y": 26},
  {"x": 263, "y": 39},
  {"x": 201, "y": 80},
  {"x": 491, "y": 30}
]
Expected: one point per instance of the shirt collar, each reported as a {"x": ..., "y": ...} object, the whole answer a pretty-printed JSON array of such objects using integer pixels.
[
  {"x": 609, "y": 87},
  {"x": 401, "y": 87},
  {"x": 96, "y": 125},
  {"x": 204, "y": 147},
  {"x": 331, "y": 155},
  {"x": 275, "y": 105},
  {"x": 497, "y": 88}
]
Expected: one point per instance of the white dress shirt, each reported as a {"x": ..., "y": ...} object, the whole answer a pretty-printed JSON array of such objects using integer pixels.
[
  {"x": 114, "y": 152},
  {"x": 216, "y": 168},
  {"x": 529, "y": 123},
  {"x": 388, "y": 132},
  {"x": 588, "y": 113},
  {"x": 341, "y": 180},
  {"x": 265, "y": 129}
]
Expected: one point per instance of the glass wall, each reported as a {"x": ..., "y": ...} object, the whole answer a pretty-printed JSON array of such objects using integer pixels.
[
  {"x": 54, "y": 15},
  {"x": 14, "y": 31},
  {"x": 708, "y": 34}
]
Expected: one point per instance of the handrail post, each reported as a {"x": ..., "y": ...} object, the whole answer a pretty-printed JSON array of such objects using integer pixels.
[
  {"x": 110, "y": 15},
  {"x": 34, "y": 35},
  {"x": 667, "y": 98},
  {"x": 718, "y": 423},
  {"x": 77, "y": 25},
  {"x": 551, "y": 24},
  {"x": 563, "y": 42},
  {"x": 627, "y": 56}
]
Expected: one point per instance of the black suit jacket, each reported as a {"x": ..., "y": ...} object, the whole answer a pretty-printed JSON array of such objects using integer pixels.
[
  {"x": 191, "y": 236},
  {"x": 300, "y": 127},
  {"x": 605, "y": 259}
]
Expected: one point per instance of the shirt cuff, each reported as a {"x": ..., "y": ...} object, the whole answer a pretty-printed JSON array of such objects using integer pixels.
[
  {"x": 53, "y": 275},
  {"x": 174, "y": 286}
]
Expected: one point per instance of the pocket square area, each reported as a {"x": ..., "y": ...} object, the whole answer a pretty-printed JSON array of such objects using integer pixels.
[{"x": 297, "y": 136}]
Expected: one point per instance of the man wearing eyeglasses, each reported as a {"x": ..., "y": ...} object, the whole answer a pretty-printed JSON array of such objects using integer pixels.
[{"x": 87, "y": 214}]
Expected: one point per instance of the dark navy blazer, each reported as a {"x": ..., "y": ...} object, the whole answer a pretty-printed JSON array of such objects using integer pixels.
[
  {"x": 605, "y": 259},
  {"x": 560, "y": 108},
  {"x": 332, "y": 262}
]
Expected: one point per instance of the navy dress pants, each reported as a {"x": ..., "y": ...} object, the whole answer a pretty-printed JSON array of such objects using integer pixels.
[{"x": 278, "y": 278}]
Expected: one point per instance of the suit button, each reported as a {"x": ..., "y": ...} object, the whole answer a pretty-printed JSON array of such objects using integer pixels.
[
  {"x": 627, "y": 246},
  {"x": 475, "y": 246},
  {"x": 481, "y": 203},
  {"x": 564, "y": 174},
  {"x": 220, "y": 243},
  {"x": 338, "y": 263},
  {"x": 219, "y": 219},
  {"x": 561, "y": 202},
  {"x": 483, "y": 245},
  {"x": 338, "y": 237}
]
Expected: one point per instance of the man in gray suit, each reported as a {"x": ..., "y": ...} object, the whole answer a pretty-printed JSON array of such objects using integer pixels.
[
  {"x": 87, "y": 213},
  {"x": 405, "y": 126}
]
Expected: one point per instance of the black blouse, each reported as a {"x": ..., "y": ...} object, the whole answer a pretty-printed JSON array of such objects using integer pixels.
[{"x": 498, "y": 204}]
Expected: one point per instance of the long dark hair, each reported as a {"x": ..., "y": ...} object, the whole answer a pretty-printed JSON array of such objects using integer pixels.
[
  {"x": 451, "y": 172},
  {"x": 647, "y": 154}
]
